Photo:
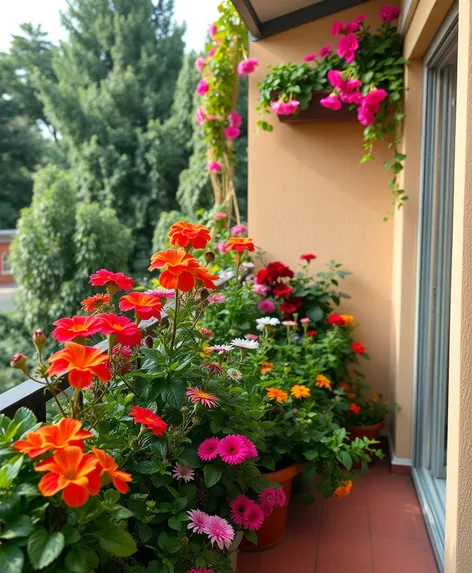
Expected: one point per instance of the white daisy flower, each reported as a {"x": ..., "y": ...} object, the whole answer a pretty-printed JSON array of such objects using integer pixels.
[
  {"x": 183, "y": 472},
  {"x": 263, "y": 322},
  {"x": 221, "y": 348},
  {"x": 242, "y": 343},
  {"x": 234, "y": 374}
]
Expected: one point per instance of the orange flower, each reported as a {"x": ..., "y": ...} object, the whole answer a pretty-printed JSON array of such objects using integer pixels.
[
  {"x": 109, "y": 468},
  {"x": 348, "y": 319},
  {"x": 72, "y": 472},
  {"x": 144, "y": 304},
  {"x": 95, "y": 302},
  {"x": 182, "y": 234},
  {"x": 202, "y": 274},
  {"x": 82, "y": 363},
  {"x": 300, "y": 391},
  {"x": 322, "y": 382},
  {"x": 179, "y": 269},
  {"x": 354, "y": 408},
  {"x": 33, "y": 445},
  {"x": 374, "y": 399},
  {"x": 67, "y": 432},
  {"x": 345, "y": 386},
  {"x": 275, "y": 394},
  {"x": 351, "y": 396},
  {"x": 77, "y": 326},
  {"x": 344, "y": 489},
  {"x": 240, "y": 244},
  {"x": 266, "y": 367}
]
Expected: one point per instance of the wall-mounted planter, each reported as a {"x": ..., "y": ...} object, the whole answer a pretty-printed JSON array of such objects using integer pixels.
[{"x": 315, "y": 112}]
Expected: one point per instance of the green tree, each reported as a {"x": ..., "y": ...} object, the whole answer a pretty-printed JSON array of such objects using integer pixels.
[{"x": 60, "y": 242}]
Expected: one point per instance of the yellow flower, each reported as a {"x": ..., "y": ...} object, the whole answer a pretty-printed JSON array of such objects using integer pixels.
[
  {"x": 344, "y": 489},
  {"x": 300, "y": 391},
  {"x": 322, "y": 382},
  {"x": 275, "y": 394},
  {"x": 348, "y": 319}
]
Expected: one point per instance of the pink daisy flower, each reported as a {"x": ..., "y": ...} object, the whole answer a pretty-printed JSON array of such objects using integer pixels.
[
  {"x": 280, "y": 497},
  {"x": 162, "y": 292},
  {"x": 208, "y": 449},
  {"x": 183, "y": 472},
  {"x": 217, "y": 298},
  {"x": 219, "y": 531},
  {"x": 251, "y": 336},
  {"x": 213, "y": 367},
  {"x": 221, "y": 348},
  {"x": 267, "y": 500},
  {"x": 305, "y": 320},
  {"x": 238, "y": 507},
  {"x": 251, "y": 450},
  {"x": 198, "y": 520},
  {"x": 253, "y": 517},
  {"x": 232, "y": 449},
  {"x": 205, "y": 398},
  {"x": 207, "y": 332}
]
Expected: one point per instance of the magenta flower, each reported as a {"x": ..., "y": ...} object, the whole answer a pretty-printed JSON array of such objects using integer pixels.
[
  {"x": 235, "y": 119},
  {"x": 251, "y": 336},
  {"x": 284, "y": 108},
  {"x": 212, "y": 51},
  {"x": 208, "y": 449},
  {"x": 200, "y": 64},
  {"x": 360, "y": 18},
  {"x": 280, "y": 497},
  {"x": 260, "y": 289},
  {"x": 198, "y": 520},
  {"x": 232, "y": 132},
  {"x": 347, "y": 47},
  {"x": 331, "y": 102},
  {"x": 335, "y": 78},
  {"x": 253, "y": 517},
  {"x": 238, "y": 230},
  {"x": 202, "y": 87},
  {"x": 219, "y": 531},
  {"x": 219, "y": 216},
  {"x": 267, "y": 500},
  {"x": 365, "y": 116},
  {"x": 183, "y": 472},
  {"x": 232, "y": 449},
  {"x": 351, "y": 27},
  {"x": 309, "y": 57},
  {"x": 214, "y": 166},
  {"x": 200, "y": 115},
  {"x": 389, "y": 13},
  {"x": 374, "y": 98},
  {"x": 355, "y": 97},
  {"x": 213, "y": 29},
  {"x": 305, "y": 320},
  {"x": 248, "y": 66},
  {"x": 251, "y": 450},
  {"x": 221, "y": 247},
  {"x": 238, "y": 507},
  {"x": 337, "y": 28},
  {"x": 197, "y": 396},
  {"x": 351, "y": 85},
  {"x": 325, "y": 50},
  {"x": 217, "y": 298},
  {"x": 266, "y": 306},
  {"x": 200, "y": 570}
]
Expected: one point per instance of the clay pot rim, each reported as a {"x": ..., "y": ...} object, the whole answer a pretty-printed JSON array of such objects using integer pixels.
[
  {"x": 377, "y": 426},
  {"x": 285, "y": 474}
]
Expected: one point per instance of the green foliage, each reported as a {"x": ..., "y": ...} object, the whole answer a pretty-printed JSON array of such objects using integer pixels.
[
  {"x": 60, "y": 242},
  {"x": 13, "y": 337}
]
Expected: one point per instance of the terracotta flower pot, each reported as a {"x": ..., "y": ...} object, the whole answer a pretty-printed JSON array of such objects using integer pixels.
[
  {"x": 275, "y": 525},
  {"x": 372, "y": 432}
]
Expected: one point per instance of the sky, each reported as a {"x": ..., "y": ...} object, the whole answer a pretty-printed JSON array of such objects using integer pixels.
[{"x": 46, "y": 12}]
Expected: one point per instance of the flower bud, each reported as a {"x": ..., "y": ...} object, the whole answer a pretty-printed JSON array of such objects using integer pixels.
[
  {"x": 209, "y": 257},
  {"x": 19, "y": 361},
  {"x": 148, "y": 342},
  {"x": 164, "y": 322},
  {"x": 39, "y": 340},
  {"x": 204, "y": 294}
]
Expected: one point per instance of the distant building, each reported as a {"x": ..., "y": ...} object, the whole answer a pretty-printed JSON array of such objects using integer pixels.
[{"x": 6, "y": 272}]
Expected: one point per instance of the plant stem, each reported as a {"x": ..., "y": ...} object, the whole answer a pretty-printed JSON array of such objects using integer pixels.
[{"x": 176, "y": 312}]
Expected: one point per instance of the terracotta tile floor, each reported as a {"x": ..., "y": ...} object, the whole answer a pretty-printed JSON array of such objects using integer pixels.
[{"x": 377, "y": 529}]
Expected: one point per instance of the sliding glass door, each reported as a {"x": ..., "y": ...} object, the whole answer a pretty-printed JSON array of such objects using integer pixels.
[{"x": 434, "y": 280}]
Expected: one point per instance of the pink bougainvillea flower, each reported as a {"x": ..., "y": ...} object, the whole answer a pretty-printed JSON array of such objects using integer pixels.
[
  {"x": 347, "y": 47},
  {"x": 235, "y": 120},
  {"x": 248, "y": 66},
  {"x": 200, "y": 115},
  {"x": 251, "y": 450},
  {"x": 213, "y": 29},
  {"x": 281, "y": 107},
  {"x": 232, "y": 132},
  {"x": 182, "y": 472},
  {"x": 309, "y": 57},
  {"x": 232, "y": 449},
  {"x": 389, "y": 13},
  {"x": 219, "y": 531},
  {"x": 77, "y": 326},
  {"x": 238, "y": 506},
  {"x": 214, "y": 166},
  {"x": 266, "y": 306},
  {"x": 238, "y": 230},
  {"x": 331, "y": 102},
  {"x": 337, "y": 28},
  {"x": 325, "y": 50},
  {"x": 253, "y": 517},
  {"x": 202, "y": 87},
  {"x": 335, "y": 78},
  {"x": 112, "y": 281},
  {"x": 208, "y": 449},
  {"x": 200, "y": 64},
  {"x": 198, "y": 520},
  {"x": 124, "y": 329},
  {"x": 198, "y": 396}
]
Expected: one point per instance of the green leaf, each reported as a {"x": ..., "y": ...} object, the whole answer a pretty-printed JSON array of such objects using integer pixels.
[
  {"x": 174, "y": 523},
  {"x": 71, "y": 534},
  {"x": 144, "y": 532},
  {"x": 20, "y": 526},
  {"x": 76, "y": 560},
  {"x": 116, "y": 541},
  {"x": 44, "y": 547},
  {"x": 316, "y": 314},
  {"x": 251, "y": 536},
  {"x": 112, "y": 496},
  {"x": 345, "y": 459},
  {"x": 9, "y": 471},
  {"x": 212, "y": 475},
  {"x": 189, "y": 457},
  {"x": 11, "y": 559},
  {"x": 174, "y": 395}
]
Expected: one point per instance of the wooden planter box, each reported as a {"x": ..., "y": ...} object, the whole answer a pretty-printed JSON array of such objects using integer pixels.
[{"x": 315, "y": 112}]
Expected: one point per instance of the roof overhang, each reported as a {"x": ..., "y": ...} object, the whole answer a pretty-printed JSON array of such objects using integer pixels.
[{"x": 265, "y": 18}]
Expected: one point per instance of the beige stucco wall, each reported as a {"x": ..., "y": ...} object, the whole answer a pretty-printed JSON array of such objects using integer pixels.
[{"x": 309, "y": 193}]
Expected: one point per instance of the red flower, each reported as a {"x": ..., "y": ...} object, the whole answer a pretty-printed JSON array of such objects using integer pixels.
[
  {"x": 145, "y": 305},
  {"x": 149, "y": 419},
  {"x": 70, "y": 328},
  {"x": 240, "y": 244},
  {"x": 124, "y": 329},
  {"x": 291, "y": 305},
  {"x": 113, "y": 281},
  {"x": 179, "y": 268},
  {"x": 281, "y": 290},
  {"x": 82, "y": 363},
  {"x": 354, "y": 408},
  {"x": 336, "y": 319},
  {"x": 308, "y": 257},
  {"x": 182, "y": 234},
  {"x": 312, "y": 332},
  {"x": 273, "y": 272},
  {"x": 93, "y": 303},
  {"x": 357, "y": 347},
  {"x": 108, "y": 468}
]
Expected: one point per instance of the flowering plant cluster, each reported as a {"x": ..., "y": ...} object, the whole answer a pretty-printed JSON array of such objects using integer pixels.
[
  {"x": 364, "y": 71},
  {"x": 364, "y": 407}
]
